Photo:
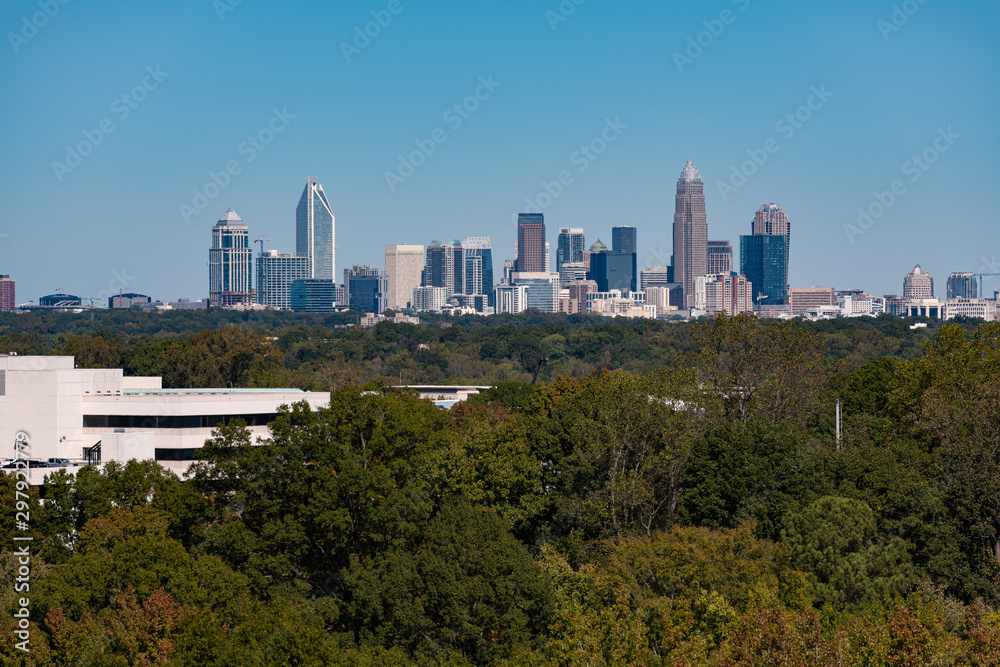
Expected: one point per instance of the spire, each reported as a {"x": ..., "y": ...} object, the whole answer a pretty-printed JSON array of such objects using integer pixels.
[
  {"x": 690, "y": 172},
  {"x": 230, "y": 217}
]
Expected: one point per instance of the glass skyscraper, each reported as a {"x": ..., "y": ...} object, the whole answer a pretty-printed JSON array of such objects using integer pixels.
[
  {"x": 479, "y": 267},
  {"x": 230, "y": 262},
  {"x": 570, "y": 247},
  {"x": 275, "y": 273},
  {"x": 314, "y": 230},
  {"x": 623, "y": 239},
  {"x": 764, "y": 262},
  {"x": 612, "y": 269}
]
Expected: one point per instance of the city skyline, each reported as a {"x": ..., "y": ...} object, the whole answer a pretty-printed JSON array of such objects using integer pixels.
[{"x": 869, "y": 136}]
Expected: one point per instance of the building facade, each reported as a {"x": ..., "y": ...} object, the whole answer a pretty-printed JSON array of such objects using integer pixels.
[
  {"x": 429, "y": 299},
  {"x": 479, "y": 267},
  {"x": 365, "y": 289},
  {"x": 127, "y": 300},
  {"x": 313, "y": 295},
  {"x": 763, "y": 260},
  {"x": 729, "y": 293},
  {"x": 315, "y": 230},
  {"x": 720, "y": 258},
  {"x": 962, "y": 286},
  {"x": 404, "y": 266},
  {"x": 230, "y": 263},
  {"x": 570, "y": 246},
  {"x": 8, "y": 301},
  {"x": 805, "y": 299},
  {"x": 276, "y": 271},
  {"x": 690, "y": 231},
  {"x": 444, "y": 266},
  {"x": 532, "y": 252},
  {"x": 543, "y": 289},
  {"x": 612, "y": 269},
  {"x": 511, "y": 299}
]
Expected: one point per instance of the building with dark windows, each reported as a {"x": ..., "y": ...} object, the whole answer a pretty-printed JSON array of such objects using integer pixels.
[
  {"x": 763, "y": 260},
  {"x": 7, "y": 298},
  {"x": 569, "y": 247},
  {"x": 962, "y": 286},
  {"x": 127, "y": 300},
  {"x": 532, "y": 256},
  {"x": 312, "y": 295},
  {"x": 690, "y": 231},
  {"x": 276, "y": 271},
  {"x": 314, "y": 231},
  {"x": 613, "y": 270},
  {"x": 444, "y": 266},
  {"x": 99, "y": 415},
  {"x": 365, "y": 289},
  {"x": 720, "y": 258},
  {"x": 230, "y": 263},
  {"x": 771, "y": 220},
  {"x": 479, "y": 268},
  {"x": 60, "y": 301},
  {"x": 624, "y": 239}
]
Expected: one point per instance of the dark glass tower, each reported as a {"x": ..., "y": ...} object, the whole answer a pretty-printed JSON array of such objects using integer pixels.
[
  {"x": 613, "y": 270},
  {"x": 571, "y": 245},
  {"x": 763, "y": 260},
  {"x": 624, "y": 239}
]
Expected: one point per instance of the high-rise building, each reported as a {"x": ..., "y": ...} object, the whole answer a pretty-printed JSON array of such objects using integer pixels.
[
  {"x": 763, "y": 262},
  {"x": 479, "y": 267},
  {"x": 7, "y": 301},
  {"x": 314, "y": 230},
  {"x": 624, "y": 239},
  {"x": 962, "y": 286},
  {"x": 656, "y": 276},
  {"x": 444, "y": 266},
  {"x": 511, "y": 299},
  {"x": 230, "y": 263},
  {"x": 543, "y": 289},
  {"x": 275, "y": 273},
  {"x": 571, "y": 272},
  {"x": 771, "y": 220},
  {"x": 570, "y": 248},
  {"x": 365, "y": 289},
  {"x": 532, "y": 255},
  {"x": 313, "y": 295},
  {"x": 918, "y": 284},
  {"x": 730, "y": 293},
  {"x": 403, "y": 271},
  {"x": 612, "y": 270},
  {"x": 690, "y": 231},
  {"x": 429, "y": 299},
  {"x": 720, "y": 258}
]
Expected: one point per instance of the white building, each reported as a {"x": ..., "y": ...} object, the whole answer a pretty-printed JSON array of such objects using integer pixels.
[
  {"x": 511, "y": 299},
  {"x": 275, "y": 273},
  {"x": 984, "y": 309},
  {"x": 404, "y": 265},
  {"x": 100, "y": 415},
  {"x": 428, "y": 299}
]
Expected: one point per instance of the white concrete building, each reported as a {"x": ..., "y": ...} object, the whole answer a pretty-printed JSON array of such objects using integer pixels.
[
  {"x": 99, "y": 415},
  {"x": 984, "y": 309},
  {"x": 404, "y": 265}
]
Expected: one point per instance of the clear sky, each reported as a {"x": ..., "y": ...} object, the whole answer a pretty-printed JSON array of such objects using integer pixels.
[{"x": 711, "y": 82}]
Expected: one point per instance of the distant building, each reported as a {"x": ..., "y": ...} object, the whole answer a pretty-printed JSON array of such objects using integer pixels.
[
  {"x": 659, "y": 297},
  {"x": 511, "y": 299},
  {"x": 429, "y": 299},
  {"x": 962, "y": 286},
  {"x": 624, "y": 239},
  {"x": 372, "y": 319},
  {"x": 126, "y": 301},
  {"x": 929, "y": 307},
  {"x": 314, "y": 231},
  {"x": 656, "y": 276},
  {"x": 771, "y": 220},
  {"x": 543, "y": 289},
  {"x": 570, "y": 247},
  {"x": 572, "y": 272},
  {"x": 276, "y": 271},
  {"x": 918, "y": 284},
  {"x": 690, "y": 231},
  {"x": 576, "y": 301},
  {"x": 60, "y": 301},
  {"x": 532, "y": 254},
  {"x": 444, "y": 266},
  {"x": 230, "y": 263},
  {"x": 404, "y": 266},
  {"x": 983, "y": 309},
  {"x": 805, "y": 299},
  {"x": 729, "y": 293},
  {"x": 365, "y": 288},
  {"x": 479, "y": 268},
  {"x": 764, "y": 261},
  {"x": 313, "y": 295},
  {"x": 612, "y": 269},
  {"x": 720, "y": 258},
  {"x": 7, "y": 298},
  {"x": 180, "y": 304}
]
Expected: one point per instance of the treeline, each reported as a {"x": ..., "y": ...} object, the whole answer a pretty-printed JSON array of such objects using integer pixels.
[
  {"x": 702, "y": 513},
  {"x": 281, "y": 349}
]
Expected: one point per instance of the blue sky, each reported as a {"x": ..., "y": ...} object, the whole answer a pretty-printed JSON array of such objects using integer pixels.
[{"x": 211, "y": 74}]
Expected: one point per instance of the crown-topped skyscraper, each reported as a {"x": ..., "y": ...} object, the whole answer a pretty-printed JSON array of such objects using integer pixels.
[
  {"x": 690, "y": 231},
  {"x": 314, "y": 231}
]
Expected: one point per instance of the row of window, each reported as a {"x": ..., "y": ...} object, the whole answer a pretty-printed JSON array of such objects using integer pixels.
[
  {"x": 174, "y": 454},
  {"x": 193, "y": 421}
]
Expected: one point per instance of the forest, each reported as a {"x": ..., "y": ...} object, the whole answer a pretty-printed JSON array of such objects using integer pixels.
[{"x": 664, "y": 494}]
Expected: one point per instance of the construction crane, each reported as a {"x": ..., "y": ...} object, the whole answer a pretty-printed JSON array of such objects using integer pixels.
[
  {"x": 262, "y": 240},
  {"x": 980, "y": 276}
]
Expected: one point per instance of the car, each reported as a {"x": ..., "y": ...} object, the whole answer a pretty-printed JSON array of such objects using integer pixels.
[{"x": 60, "y": 463}]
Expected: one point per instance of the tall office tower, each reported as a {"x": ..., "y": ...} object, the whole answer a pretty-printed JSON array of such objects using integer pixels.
[
  {"x": 624, "y": 239},
  {"x": 763, "y": 260},
  {"x": 314, "y": 230},
  {"x": 720, "y": 258},
  {"x": 479, "y": 267},
  {"x": 570, "y": 247},
  {"x": 730, "y": 293},
  {"x": 230, "y": 262},
  {"x": 532, "y": 256},
  {"x": 365, "y": 289},
  {"x": 918, "y": 284},
  {"x": 444, "y": 266},
  {"x": 960, "y": 286},
  {"x": 690, "y": 231},
  {"x": 275, "y": 273},
  {"x": 771, "y": 220},
  {"x": 7, "y": 302},
  {"x": 613, "y": 269},
  {"x": 404, "y": 266}
]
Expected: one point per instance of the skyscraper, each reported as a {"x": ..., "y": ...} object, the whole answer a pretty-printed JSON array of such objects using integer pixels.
[
  {"x": 314, "y": 230},
  {"x": 7, "y": 302},
  {"x": 612, "y": 269},
  {"x": 771, "y": 220},
  {"x": 690, "y": 231},
  {"x": 570, "y": 247},
  {"x": 720, "y": 258},
  {"x": 275, "y": 273},
  {"x": 763, "y": 261},
  {"x": 532, "y": 256},
  {"x": 479, "y": 267},
  {"x": 365, "y": 289},
  {"x": 230, "y": 262},
  {"x": 444, "y": 266},
  {"x": 403, "y": 269},
  {"x": 962, "y": 286},
  {"x": 623, "y": 239},
  {"x": 918, "y": 284}
]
